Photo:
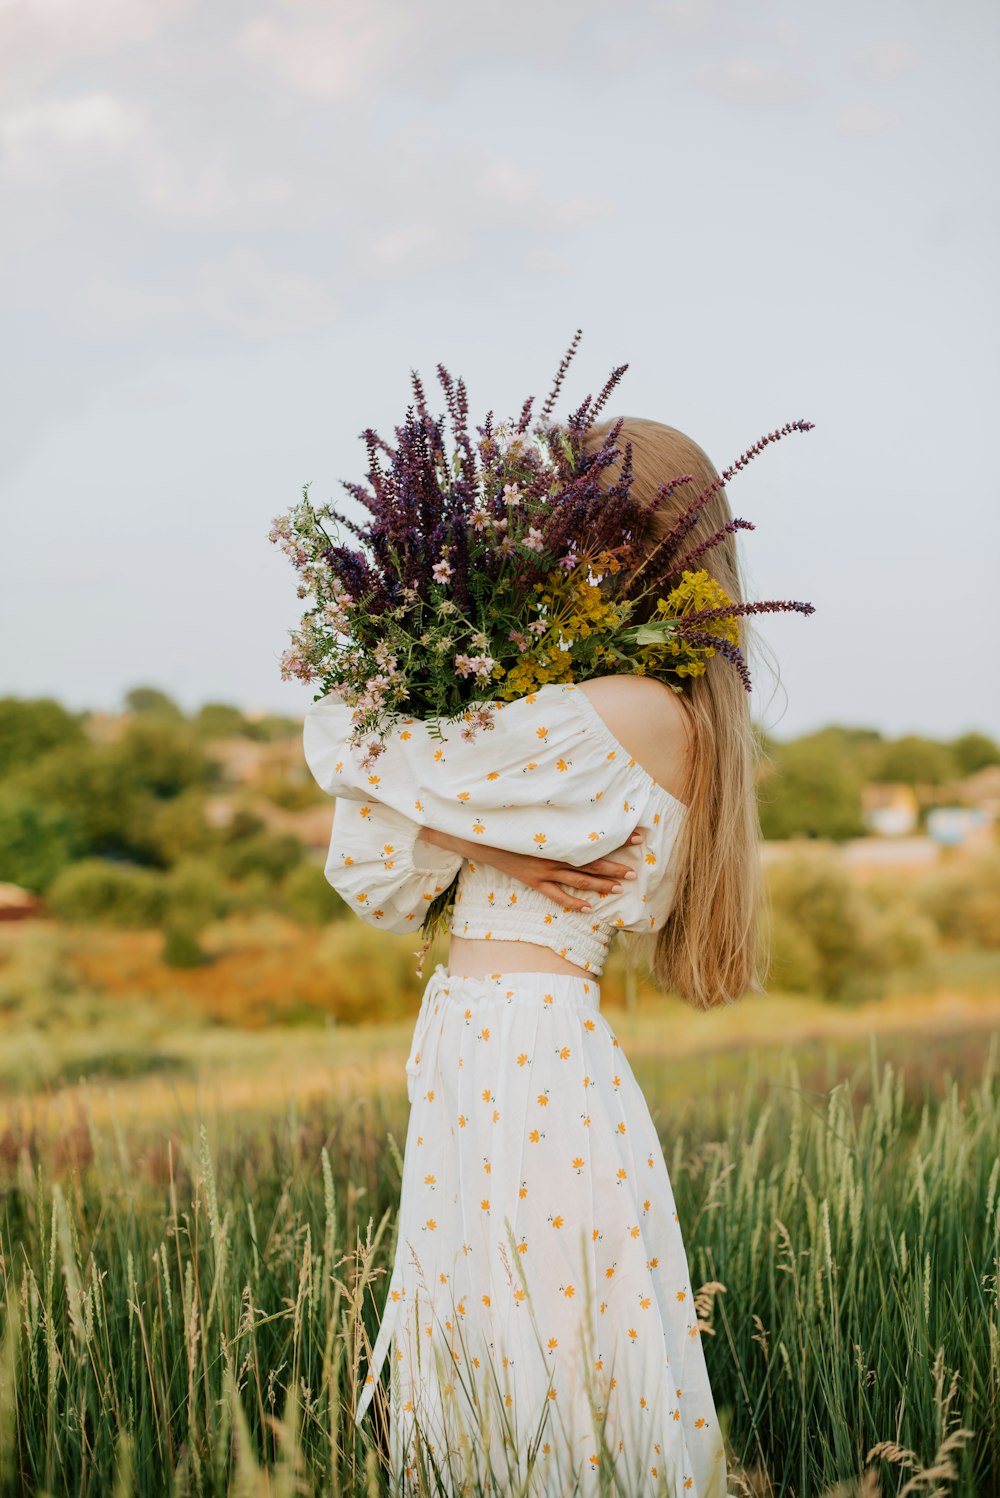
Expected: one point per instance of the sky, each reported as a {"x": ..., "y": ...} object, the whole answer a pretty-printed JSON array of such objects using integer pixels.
[{"x": 228, "y": 232}]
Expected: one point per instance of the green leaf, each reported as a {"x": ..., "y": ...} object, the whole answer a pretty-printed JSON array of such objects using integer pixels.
[{"x": 650, "y": 634}]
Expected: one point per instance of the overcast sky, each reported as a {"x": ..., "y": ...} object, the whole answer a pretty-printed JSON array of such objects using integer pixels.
[{"x": 229, "y": 231}]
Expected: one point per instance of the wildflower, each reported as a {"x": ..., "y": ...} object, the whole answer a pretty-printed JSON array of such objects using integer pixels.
[
  {"x": 474, "y": 665},
  {"x": 534, "y": 541},
  {"x": 441, "y": 571},
  {"x": 512, "y": 494}
]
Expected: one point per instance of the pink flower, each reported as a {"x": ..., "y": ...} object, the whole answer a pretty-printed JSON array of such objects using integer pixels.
[
  {"x": 533, "y": 540},
  {"x": 441, "y": 571},
  {"x": 474, "y": 665}
]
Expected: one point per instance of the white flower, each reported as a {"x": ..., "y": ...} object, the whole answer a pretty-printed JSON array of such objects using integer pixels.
[
  {"x": 533, "y": 540},
  {"x": 441, "y": 571},
  {"x": 512, "y": 494}
]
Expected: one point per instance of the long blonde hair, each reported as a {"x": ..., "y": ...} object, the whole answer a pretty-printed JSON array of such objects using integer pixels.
[{"x": 711, "y": 950}]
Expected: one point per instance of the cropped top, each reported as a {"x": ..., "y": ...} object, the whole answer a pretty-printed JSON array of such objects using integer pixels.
[{"x": 548, "y": 778}]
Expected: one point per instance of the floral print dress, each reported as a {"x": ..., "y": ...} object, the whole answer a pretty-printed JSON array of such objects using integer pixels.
[{"x": 540, "y": 1314}]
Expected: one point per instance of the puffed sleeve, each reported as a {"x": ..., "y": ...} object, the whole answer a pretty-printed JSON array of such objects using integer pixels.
[
  {"x": 378, "y": 865},
  {"x": 548, "y": 777}
]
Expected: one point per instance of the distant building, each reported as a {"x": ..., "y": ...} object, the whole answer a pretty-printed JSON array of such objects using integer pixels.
[
  {"x": 889, "y": 810},
  {"x": 982, "y": 790},
  {"x": 952, "y": 826},
  {"x": 247, "y": 762},
  {"x": 18, "y": 904}
]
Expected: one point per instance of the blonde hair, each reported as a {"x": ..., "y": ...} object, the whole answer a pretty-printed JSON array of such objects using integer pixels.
[{"x": 711, "y": 950}]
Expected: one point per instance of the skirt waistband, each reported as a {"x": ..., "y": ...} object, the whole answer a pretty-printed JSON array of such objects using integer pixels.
[
  {"x": 445, "y": 987},
  {"x": 552, "y": 986}
]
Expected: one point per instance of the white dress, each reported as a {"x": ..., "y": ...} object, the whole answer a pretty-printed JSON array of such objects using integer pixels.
[{"x": 540, "y": 1311}]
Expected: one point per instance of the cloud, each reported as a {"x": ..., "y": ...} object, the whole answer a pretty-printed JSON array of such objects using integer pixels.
[
  {"x": 865, "y": 119},
  {"x": 35, "y": 136},
  {"x": 885, "y": 62},
  {"x": 239, "y": 293},
  {"x": 744, "y": 80},
  {"x": 39, "y": 37},
  {"x": 331, "y": 52}
]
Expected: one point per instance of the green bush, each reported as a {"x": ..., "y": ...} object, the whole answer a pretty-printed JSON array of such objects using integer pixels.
[
  {"x": 308, "y": 897},
  {"x": 181, "y": 947},
  {"x": 369, "y": 978},
  {"x": 30, "y": 727},
  {"x": 178, "y": 828},
  {"x": 812, "y": 892},
  {"x": 37, "y": 841},
  {"x": 810, "y": 790},
  {"x": 795, "y": 962},
  {"x": 95, "y": 890},
  {"x": 963, "y": 900},
  {"x": 196, "y": 892},
  {"x": 272, "y": 854}
]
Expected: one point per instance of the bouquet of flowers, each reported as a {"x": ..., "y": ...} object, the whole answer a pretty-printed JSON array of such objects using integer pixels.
[{"x": 490, "y": 569}]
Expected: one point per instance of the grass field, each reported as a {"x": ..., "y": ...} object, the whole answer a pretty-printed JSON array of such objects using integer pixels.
[{"x": 197, "y": 1215}]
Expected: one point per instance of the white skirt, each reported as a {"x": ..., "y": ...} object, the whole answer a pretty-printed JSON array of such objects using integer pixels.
[{"x": 540, "y": 1312}]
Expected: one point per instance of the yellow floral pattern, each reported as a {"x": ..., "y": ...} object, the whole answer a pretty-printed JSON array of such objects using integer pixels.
[
  {"x": 550, "y": 778},
  {"x": 539, "y": 1244},
  {"x": 539, "y": 1255}
]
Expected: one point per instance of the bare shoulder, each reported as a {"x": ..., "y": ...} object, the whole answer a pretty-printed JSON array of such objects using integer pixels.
[{"x": 650, "y": 721}]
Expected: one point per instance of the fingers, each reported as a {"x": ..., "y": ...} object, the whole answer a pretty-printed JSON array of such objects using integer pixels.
[
  {"x": 561, "y": 898},
  {"x": 609, "y": 869}
]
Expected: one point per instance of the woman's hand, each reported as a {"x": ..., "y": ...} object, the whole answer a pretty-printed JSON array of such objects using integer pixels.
[{"x": 546, "y": 875}]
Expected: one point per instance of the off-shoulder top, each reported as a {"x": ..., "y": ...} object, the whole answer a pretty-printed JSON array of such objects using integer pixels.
[{"x": 549, "y": 777}]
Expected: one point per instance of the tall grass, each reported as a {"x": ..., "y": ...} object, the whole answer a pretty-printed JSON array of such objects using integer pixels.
[{"x": 190, "y": 1314}]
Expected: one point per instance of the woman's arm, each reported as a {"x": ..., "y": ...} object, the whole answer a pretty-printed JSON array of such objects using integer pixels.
[
  {"x": 541, "y": 780},
  {"x": 546, "y": 875},
  {"x": 381, "y": 870}
]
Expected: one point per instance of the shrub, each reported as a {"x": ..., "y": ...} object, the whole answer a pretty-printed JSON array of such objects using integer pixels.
[
  {"x": 272, "y": 854},
  {"x": 178, "y": 828},
  {"x": 812, "y": 892},
  {"x": 370, "y": 977},
  {"x": 795, "y": 963},
  {"x": 109, "y": 894},
  {"x": 196, "y": 892},
  {"x": 30, "y": 727},
  {"x": 310, "y": 899},
  {"x": 963, "y": 900},
  {"x": 181, "y": 947},
  {"x": 811, "y": 791},
  {"x": 37, "y": 841}
]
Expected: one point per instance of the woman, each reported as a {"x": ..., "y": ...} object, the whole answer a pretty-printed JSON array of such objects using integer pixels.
[{"x": 540, "y": 1313}]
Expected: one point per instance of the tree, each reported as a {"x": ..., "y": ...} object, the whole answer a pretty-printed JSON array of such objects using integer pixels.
[
  {"x": 974, "y": 751},
  {"x": 37, "y": 841},
  {"x": 218, "y": 720},
  {"x": 30, "y": 727},
  {"x": 915, "y": 761},
  {"x": 810, "y": 791},
  {"x": 150, "y": 700}
]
